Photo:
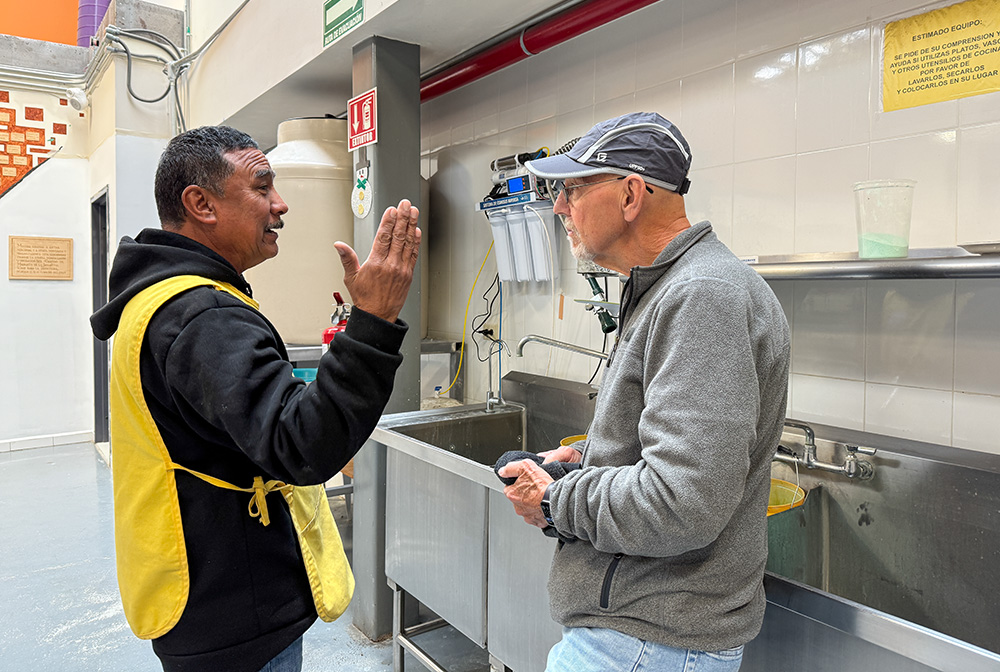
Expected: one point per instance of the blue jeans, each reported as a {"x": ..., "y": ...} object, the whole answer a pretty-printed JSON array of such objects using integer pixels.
[
  {"x": 289, "y": 660},
  {"x": 603, "y": 650}
]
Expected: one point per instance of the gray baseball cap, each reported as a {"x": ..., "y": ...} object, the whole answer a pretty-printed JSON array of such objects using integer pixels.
[{"x": 643, "y": 143}]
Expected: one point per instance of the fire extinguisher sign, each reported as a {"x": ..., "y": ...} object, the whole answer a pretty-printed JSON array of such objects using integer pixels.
[{"x": 362, "y": 129}]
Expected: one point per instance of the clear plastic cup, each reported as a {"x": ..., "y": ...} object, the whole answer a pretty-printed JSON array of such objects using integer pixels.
[{"x": 883, "y": 209}]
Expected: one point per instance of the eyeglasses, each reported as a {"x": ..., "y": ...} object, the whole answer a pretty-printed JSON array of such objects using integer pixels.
[{"x": 557, "y": 187}]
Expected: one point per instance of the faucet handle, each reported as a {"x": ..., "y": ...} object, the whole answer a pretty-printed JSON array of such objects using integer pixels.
[
  {"x": 786, "y": 451},
  {"x": 864, "y": 450}
]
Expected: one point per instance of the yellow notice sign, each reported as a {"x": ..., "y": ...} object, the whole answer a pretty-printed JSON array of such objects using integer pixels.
[
  {"x": 945, "y": 54},
  {"x": 34, "y": 258}
]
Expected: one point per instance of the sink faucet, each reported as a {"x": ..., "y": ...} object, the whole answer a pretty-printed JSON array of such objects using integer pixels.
[
  {"x": 557, "y": 344},
  {"x": 810, "y": 443},
  {"x": 491, "y": 401},
  {"x": 853, "y": 467}
]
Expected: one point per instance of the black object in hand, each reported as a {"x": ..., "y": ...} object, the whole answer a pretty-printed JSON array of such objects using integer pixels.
[{"x": 554, "y": 469}]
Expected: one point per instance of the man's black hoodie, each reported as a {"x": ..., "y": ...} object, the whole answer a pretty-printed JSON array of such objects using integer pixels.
[{"x": 218, "y": 383}]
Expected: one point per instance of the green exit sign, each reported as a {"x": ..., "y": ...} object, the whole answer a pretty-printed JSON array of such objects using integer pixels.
[{"x": 340, "y": 17}]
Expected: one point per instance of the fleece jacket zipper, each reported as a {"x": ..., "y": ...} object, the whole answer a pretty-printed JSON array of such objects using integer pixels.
[{"x": 608, "y": 577}]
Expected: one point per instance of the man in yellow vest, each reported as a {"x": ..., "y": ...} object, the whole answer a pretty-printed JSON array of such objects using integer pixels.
[{"x": 226, "y": 548}]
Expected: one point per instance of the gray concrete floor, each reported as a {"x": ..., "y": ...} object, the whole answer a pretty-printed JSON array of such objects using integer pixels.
[{"x": 59, "y": 604}]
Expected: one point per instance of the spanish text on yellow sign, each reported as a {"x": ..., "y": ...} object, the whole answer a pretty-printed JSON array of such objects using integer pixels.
[
  {"x": 38, "y": 258},
  {"x": 944, "y": 54}
]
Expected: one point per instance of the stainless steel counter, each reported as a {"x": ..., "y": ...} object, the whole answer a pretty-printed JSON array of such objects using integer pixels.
[{"x": 949, "y": 262}]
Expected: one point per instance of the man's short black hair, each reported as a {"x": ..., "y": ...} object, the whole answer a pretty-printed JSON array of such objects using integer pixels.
[{"x": 195, "y": 157}]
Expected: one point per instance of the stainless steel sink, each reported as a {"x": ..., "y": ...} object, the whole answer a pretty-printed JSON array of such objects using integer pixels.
[
  {"x": 897, "y": 573},
  {"x": 438, "y": 476},
  {"x": 912, "y": 553},
  {"x": 453, "y": 540}
]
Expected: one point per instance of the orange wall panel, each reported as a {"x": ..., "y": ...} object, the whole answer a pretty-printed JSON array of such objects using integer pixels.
[{"x": 48, "y": 20}]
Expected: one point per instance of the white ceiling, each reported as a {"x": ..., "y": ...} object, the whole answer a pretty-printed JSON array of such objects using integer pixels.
[{"x": 444, "y": 29}]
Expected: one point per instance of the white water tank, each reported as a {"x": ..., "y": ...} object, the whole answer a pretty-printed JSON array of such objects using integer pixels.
[{"x": 315, "y": 176}]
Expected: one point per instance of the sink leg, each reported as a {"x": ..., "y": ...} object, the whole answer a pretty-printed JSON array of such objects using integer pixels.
[
  {"x": 398, "y": 611},
  {"x": 402, "y": 635},
  {"x": 496, "y": 665}
]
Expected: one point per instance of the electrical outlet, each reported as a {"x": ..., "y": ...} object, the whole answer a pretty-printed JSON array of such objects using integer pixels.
[{"x": 492, "y": 329}]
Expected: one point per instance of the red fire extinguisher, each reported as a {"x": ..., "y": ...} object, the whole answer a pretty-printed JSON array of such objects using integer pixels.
[{"x": 338, "y": 320}]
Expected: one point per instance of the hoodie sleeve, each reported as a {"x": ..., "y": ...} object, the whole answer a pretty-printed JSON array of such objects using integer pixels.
[{"x": 225, "y": 366}]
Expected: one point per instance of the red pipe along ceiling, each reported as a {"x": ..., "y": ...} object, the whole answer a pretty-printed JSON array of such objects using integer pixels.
[{"x": 531, "y": 41}]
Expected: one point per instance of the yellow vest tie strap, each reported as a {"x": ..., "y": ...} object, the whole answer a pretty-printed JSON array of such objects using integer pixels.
[{"x": 260, "y": 489}]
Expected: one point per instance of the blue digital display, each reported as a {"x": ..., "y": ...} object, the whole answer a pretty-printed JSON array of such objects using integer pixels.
[{"x": 516, "y": 185}]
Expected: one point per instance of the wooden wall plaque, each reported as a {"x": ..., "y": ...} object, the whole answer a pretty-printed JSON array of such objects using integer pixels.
[{"x": 38, "y": 258}]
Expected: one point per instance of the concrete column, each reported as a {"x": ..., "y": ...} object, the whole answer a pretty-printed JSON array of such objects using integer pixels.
[{"x": 393, "y": 69}]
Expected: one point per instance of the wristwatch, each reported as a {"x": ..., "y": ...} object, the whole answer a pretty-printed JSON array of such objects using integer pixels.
[{"x": 546, "y": 510}]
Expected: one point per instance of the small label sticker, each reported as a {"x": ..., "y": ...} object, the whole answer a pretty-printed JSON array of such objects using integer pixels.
[
  {"x": 749, "y": 260},
  {"x": 361, "y": 202}
]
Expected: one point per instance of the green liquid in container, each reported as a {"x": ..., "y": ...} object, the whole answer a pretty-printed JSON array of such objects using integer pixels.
[{"x": 882, "y": 246}]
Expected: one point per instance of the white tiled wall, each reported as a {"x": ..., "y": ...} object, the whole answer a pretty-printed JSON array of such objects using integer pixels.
[
  {"x": 779, "y": 101},
  {"x": 911, "y": 358}
]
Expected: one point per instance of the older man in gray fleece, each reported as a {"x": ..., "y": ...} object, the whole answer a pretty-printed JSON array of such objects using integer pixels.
[{"x": 664, "y": 533}]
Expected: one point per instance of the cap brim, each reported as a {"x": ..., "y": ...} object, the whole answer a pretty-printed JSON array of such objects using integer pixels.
[{"x": 561, "y": 167}]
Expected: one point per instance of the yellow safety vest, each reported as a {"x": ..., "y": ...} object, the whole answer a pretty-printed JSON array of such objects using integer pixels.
[{"x": 149, "y": 537}]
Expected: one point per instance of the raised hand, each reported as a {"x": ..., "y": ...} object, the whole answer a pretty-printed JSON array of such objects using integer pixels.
[{"x": 379, "y": 286}]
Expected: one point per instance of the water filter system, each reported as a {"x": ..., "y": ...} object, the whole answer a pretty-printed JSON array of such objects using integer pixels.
[
  {"x": 520, "y": 217},
  {"x": 520, "y": 212}
]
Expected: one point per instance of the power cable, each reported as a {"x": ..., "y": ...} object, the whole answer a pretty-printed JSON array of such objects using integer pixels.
[
  {"x": 128, "y": 74},
  {"x": 461, "y": 353},
  {"x": 497, "y": 344},
  {"x": 161, "y": 39},
  {"x": 600, "y": 363},
  {"x": 604, "y": 348}
]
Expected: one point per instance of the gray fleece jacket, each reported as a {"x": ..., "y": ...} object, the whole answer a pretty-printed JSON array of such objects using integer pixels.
[{"x": 670, "y": 507}]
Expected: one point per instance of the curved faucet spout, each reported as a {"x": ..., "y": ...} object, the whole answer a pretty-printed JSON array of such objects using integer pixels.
[
  {"x": 853, "y": 467},
  {"x": 557, "y": 344}
]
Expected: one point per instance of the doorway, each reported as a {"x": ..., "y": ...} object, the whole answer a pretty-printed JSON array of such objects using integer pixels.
[{"x": 99, "y": 270}]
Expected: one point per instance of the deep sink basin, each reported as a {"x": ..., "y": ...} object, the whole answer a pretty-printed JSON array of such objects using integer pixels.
[
  {"x": 897, "y": 573},
  {"x": 921, "y": 541},
  {"x": 475, "y": 435}
]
